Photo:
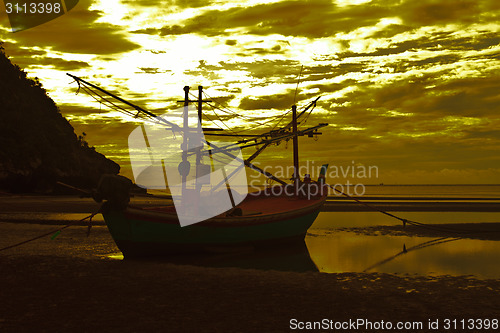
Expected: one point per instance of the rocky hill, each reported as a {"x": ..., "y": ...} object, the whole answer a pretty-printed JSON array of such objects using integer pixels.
[{"x": 38, "y": 146}]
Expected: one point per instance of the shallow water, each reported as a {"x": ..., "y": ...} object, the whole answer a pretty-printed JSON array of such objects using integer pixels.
[
  {"x": 334, "y": 250},
  {"x": 333, "y": 247}
]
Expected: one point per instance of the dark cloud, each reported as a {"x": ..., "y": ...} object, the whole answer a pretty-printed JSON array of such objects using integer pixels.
[
  {"x": 323, "y": 18},
  {"x": 476, "y": 97},
  {"x": 391, "y": 30},
  {"x": 191, "y": 3},
  {"x": 59, "y": 63},
  {"x": 261, "y": 51},
  {"x": 325, "y": 72},
  {"x": 77, "y": 32},
  {"x": 151, "y": 70},
  {"x": 269, "y": 69},
  {"x": 431, "y": 12},
  {"x": 314, "y": 18},
  {"x": 406, "y": 154},
  {"x": 23, "y": 57},
  {"x": 21, "y": 52},
  {"x": 276, "y": 101},
  {"x": 284, "y": 71},
  {"x": 332, "y": 87},
  {"x": 168, "y": 3},
  {"x": 282, "y": 101},
  {"x": 222, "y": 101},
  {"x": 438, "y": 41},
  {"x": 483, "y": 133},
  {"x": 419, "y": 107}
]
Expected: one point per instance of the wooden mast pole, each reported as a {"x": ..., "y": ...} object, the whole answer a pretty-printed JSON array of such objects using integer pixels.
[
  {"x": 200, "y": 136},
  {"x": 184, "y": 166},
  {"x": 296, "y": 176},
  {"x": 200, "y": 103}
]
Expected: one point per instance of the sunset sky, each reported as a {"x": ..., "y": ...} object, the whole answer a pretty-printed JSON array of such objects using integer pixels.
[{"x": 409, "y": 86}]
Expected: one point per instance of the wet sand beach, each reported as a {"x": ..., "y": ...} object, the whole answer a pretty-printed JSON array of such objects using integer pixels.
[
  {"x": 482, "y": 231},
  {"x": 70, "y": 284}
]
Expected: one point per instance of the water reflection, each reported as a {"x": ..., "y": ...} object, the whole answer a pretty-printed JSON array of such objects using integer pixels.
[
  {"x": 349, "y": 252},
  {"x": 344, "y": 251},
  {"x": 291, "y": 258},
  {"x": 332, "y": 250},
  {"x": 423, "y": 245}
]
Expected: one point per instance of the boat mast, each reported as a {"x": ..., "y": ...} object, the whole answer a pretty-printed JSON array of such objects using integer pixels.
[
  {"x": 191, "y": 141},
  {"x": 184, "y": 166},
  {"x": 200, "y": 104},
  {"x": 200, "y": 133},
  {"x": 295, "y": 140}
]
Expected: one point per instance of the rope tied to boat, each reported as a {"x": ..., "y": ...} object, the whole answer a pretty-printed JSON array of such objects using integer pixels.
[
  {"x": 56, "y": 232},
  {"x": 368, "y": 205},
  {"x": 413, "y": 223}
]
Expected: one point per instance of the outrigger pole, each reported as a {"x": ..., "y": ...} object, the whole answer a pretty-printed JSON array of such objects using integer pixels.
[{"x": 138, "y": 108}]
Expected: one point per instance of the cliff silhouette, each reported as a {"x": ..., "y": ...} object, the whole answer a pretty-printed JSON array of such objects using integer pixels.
[{"x": 38, "y": 146}]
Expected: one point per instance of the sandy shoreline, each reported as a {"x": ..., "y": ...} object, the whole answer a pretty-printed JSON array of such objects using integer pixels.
[
  {"x": 71, "y": 284},
  {"x": 52, "y": 293}
]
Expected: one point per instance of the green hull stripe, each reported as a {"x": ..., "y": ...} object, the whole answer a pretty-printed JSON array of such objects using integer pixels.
[{"x": 135, "y": 230}]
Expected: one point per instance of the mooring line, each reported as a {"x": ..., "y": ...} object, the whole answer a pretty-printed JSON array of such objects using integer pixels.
[
  {"x": 410, "y": 222},
  {"x": 55, "y": 232}
]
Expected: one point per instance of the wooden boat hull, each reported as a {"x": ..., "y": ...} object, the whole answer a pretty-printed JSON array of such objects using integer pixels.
[{"x": 138, "y": 232}]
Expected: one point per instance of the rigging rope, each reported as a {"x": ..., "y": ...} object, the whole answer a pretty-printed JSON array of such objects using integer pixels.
[
  {"x": 212, "y": 121},
  {"x": 55, "y": 232},
  {"x": 410, "y": 222},
  {"x": 223, "y": 123},
  {"x": 251, "y": 119},
  {"x": 108, "y": 103},
  {"x": 113, "y": 106},
  {"x": 227, "y": 110},
  {"x": 307, "y": 117}
]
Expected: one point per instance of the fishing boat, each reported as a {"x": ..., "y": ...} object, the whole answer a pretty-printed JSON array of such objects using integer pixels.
[
  {"x": 273, "y": 217},
  {"x": 272, "y": 221}
]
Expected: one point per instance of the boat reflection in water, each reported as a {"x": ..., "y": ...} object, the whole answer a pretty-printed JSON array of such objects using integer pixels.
[
  {"x": 294, "y": 258},
  {"x": 372, "y": 248}
]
